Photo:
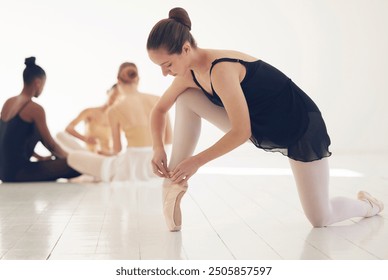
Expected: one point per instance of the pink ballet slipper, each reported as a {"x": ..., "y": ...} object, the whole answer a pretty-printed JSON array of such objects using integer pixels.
[
  {"x": 172, "y": 195},
  {"x": 375, "y": 203}
]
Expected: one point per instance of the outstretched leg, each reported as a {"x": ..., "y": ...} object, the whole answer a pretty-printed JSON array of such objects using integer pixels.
[
  {"x": 89, "y": 163},
  {"x": 46, "y": 170},
  {"x": 312, "y": 180},
  {"x": 69, "y": 143}
]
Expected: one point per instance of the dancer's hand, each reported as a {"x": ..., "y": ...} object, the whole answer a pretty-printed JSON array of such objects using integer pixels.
[
  {"x": 91, "y": 140},
  {"x": 159, "y": 163},
  {"x": 105, "y": 153},
  {"x": 184, "y": 170}
]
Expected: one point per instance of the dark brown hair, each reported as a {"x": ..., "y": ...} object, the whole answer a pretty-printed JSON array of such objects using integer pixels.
[
  {"x": 32, "y": 71},
  {"x": 171, "y": 33},
  {"x": 126, "y": 73}
]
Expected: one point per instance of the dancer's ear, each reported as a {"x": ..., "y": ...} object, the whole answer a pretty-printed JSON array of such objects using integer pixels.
[{"x": 186, "y": 49}]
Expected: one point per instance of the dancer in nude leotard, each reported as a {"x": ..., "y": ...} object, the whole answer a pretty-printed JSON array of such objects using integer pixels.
[
  {"x": 98, "y": 134},
  {"x": 129, "y": 115}
]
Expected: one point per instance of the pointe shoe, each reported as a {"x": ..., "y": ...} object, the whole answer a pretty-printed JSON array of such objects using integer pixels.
[
  {"x": 375, "y": 203},
  {"x": 172, "y": 195}
]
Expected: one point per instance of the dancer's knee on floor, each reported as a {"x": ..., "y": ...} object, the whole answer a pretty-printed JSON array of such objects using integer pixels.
[{"x": 319, "y": 220}]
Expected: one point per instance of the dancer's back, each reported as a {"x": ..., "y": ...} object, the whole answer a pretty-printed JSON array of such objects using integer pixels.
[{"x": 132, "y": 114}]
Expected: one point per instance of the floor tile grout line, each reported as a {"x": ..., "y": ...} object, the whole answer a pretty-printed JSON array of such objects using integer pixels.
[
  {"x": 21, "y": 237},
  {"x": 67, "y": 224},
  {"x": 103, "y": 221},
  {"x": 244, "y": 221},
  {"x": 72, "y": 215},
  {"x": 350, "y": 241},
  {"x": 211, "y": 225},
  {"x": 281, "y": 222},
  {"x": 138, "y": 221}
]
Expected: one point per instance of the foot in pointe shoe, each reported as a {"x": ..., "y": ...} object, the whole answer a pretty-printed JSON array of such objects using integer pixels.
[
  {"x": 172, "y": 195},
  {"x": 377, "y": 205}
]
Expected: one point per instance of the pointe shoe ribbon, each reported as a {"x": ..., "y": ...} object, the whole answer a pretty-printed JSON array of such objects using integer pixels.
[
  {"x": 365, "y": 196},
  {"x": 172, "y": 195}
]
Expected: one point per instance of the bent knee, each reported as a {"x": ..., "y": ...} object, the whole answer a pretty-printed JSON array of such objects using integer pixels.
[
  {"x": 319, "y": 221},
  {"x": 318, "y": 224},
  {"x": 188, "y": 96}
]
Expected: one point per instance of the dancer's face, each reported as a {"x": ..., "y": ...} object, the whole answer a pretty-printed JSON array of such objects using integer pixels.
[
  {"x": 39, "y": 85},
  {"x": 171, "y": 64}
]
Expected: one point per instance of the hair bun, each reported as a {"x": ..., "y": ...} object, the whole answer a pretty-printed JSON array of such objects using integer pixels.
[
  {"x": 127, "y": 72},
  {"x": 180, "y": 15},
  {"x": 30, "y": 61}
]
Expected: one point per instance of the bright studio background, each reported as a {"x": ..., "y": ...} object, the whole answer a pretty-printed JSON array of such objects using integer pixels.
[{"x": 335, "y": 50}]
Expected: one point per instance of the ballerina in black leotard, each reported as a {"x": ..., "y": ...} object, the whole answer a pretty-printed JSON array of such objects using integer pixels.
[
  {"x": 22, "y": 125},
  {"x": 248, "y": 99}
]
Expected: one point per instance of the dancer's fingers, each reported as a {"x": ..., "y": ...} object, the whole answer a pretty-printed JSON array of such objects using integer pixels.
[
  {"x": 156, "y": 171},
  {"x": 176, "y": 175},
  {"x": 159, "y": 162},
  {"x": 162, "y": 166},
  {"x": 160, "y": 170}
]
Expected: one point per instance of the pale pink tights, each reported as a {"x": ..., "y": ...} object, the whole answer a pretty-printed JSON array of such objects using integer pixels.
[{"x": 312, "y": 178}]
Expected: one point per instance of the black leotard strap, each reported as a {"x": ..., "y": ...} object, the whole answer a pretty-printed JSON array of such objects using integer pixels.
[
  {"x": 24, "y": 105},
  {"x": 196, "y": 81},
  {"x": 19, "y": 111},
  {"x": 227, "y": 59}
]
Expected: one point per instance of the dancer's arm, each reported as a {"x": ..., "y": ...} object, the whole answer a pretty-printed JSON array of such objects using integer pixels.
[
  {"x": 83, "y": 116},
  {"x": 225, "y": 79},
  {"x": 168, "y": 131},
  {"x": 159, "y": 118},
  {"x": 39, "y": 118},
  {"x": 116, "y": 134}
]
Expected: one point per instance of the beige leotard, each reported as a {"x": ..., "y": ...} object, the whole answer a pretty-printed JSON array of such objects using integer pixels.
[{"x": 133, "y": 115}]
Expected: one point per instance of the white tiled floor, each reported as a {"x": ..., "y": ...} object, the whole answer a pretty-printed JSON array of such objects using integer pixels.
[{"x": 225, "y": 216}]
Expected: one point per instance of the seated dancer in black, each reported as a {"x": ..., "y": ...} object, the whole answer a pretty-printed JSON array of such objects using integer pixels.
[{"x": 22, "y": 126}]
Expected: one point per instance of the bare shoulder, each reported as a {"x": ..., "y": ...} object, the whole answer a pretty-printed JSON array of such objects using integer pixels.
[
  {"x": 10, "y": 102},
  {"x": 7, "y": 107},
  {"x": 233, "y": 54},
  {"x": 33, "y": 112},
  {"x": 35, "y": 108},
  {"x": 226, "y": 72},
  {"x": 91, "y": 111}
]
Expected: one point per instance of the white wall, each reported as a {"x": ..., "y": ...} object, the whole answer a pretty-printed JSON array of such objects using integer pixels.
[{"x": 335, "y": 50}]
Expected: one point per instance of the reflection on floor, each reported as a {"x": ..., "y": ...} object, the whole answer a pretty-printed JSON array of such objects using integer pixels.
[{"x": 256, "y": 215}]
